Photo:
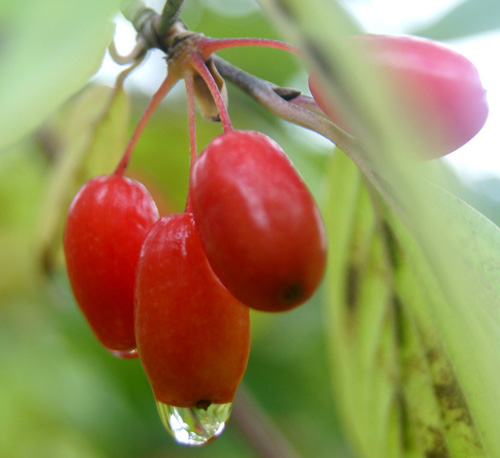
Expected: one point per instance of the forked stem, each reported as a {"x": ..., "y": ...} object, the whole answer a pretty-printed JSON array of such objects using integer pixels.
[
  {"x": 120, "y": 79},
  {"x": 210, "y": 45},
  {"x": 137, "y": 53},
  {"x": 162, "y": 91},
  {"x": 188, "y": 80},
  {"x": 200, "y": 66}
]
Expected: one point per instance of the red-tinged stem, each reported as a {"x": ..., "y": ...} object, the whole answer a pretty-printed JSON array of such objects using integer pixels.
[
  {"x": 162, "y": 91},
  {"x": 210, "y": 45},
  {"x": 199, "y": 65},
  {"x": 188, "y": 80}
]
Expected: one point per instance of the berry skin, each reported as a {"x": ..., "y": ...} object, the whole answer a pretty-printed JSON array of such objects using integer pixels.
[
  {"x": 106, "y": 225},
  {"x": 193, "y": 336},
  {"x": 438, "y": 90},
  {"x": 258, "y": 223}
]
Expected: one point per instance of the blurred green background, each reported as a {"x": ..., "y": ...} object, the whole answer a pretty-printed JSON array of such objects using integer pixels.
[{"x": 61, "y": 394}]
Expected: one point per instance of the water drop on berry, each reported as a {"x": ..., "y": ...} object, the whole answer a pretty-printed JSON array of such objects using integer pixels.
[
  {"x": 125, "y": 354},
  {"x": 194, "y": 426}
]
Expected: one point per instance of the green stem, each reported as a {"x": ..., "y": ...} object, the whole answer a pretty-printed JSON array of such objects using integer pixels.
[
  {"x": 136, "y": 55},
  {"x": 145, "y": 22},
  {"x": 137, "y": 13},
  {"x": 170, "y": 14}
]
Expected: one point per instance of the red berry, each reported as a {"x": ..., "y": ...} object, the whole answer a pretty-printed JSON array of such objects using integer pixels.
[
  {"x": 106, "y": 225},
  {"x": 258, "y": 223},
  {"x": 438, "y": 90},
  {"x": 193, "y": 336}
]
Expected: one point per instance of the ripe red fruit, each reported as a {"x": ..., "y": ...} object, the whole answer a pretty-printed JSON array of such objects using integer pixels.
[
  {"x": 106, "y": 225},
  {"x": 438, "y": 90},
  {"x": 193, "y": 336},
  {"x": 258, "y": 223}
]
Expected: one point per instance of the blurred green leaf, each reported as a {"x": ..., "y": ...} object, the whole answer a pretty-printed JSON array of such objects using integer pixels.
[
  {"x": 360, "y": 330},
  {"x": 414, "y": 348},
  {"x": 21, "y": 188},
  {"x": 469, "y": 17},
  {"x": 92, "y": 137},
  {"x": 63, "y": 395},
  {"x": 48, "y": 49},
  {"x": 456, "y": 260},
  {"x": 400, "y": 393}
]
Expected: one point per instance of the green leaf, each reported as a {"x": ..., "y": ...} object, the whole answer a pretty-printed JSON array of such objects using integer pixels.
[
  {"x": 452, "y": 253},
  {"x": 467, "y": 18},
  {"x": 400, "y": 391},
  {"x": 21, "y": 188},
  {"x": 360, "y": 334},
  {"x": 48, "y": 49},
  {"x": 467, "y": 323}
]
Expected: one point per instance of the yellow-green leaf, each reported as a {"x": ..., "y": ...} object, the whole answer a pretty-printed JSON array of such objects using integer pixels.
[
  {"x": 48, "y": 50},
  {"x": 451, "y": 257},
  {"x": 93, "y": 137}
]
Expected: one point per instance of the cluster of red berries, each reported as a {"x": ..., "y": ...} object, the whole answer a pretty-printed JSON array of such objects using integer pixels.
[
  {"x": 253, "y": 236},
  {"x": 176, "y": 290}
]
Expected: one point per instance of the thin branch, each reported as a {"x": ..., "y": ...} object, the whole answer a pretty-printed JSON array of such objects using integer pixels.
[
  {"x": 258, "y": 428},
  {"x": 267, "y": 95},
  {"x": 307, "y": 102},
  {"x": 137, "y": 13},
  {"x": 137, "y": 52},
  {"x": 170, "y": 15},
  {"x": 132, "y": 8},
  {"x": 120, "y": 80},
  {"x": 145, "y": 21}
]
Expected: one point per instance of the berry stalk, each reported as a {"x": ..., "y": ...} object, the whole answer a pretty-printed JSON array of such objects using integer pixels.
[
  {"x": 210, "y": 45},
  {"x": 199, "y": 65},
  {"x": 188, "y": 81}
]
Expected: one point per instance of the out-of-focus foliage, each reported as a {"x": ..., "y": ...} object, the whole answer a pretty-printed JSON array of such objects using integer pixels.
[
  {"x": 48, "y": 49},
  {"x": 452, "y": 269},
  {"x": 87, "y": 138},
  {"x": 382, "y": 308},
  {"x": 61, "y": 394},
  {"x": 469, "y": 17}
]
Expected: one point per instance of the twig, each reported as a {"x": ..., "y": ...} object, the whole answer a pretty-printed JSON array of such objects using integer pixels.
[
  {"x": 258, "y": 428},
  {"x": 137, "y": 53},
  {"x": 170, "y": 15},
  {"x": 268, "y": 95}
]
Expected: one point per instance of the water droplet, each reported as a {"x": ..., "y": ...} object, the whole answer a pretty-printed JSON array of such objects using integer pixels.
[
  {"x": 194, "y": 426},
  {"x": 127, "y": 354}
]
